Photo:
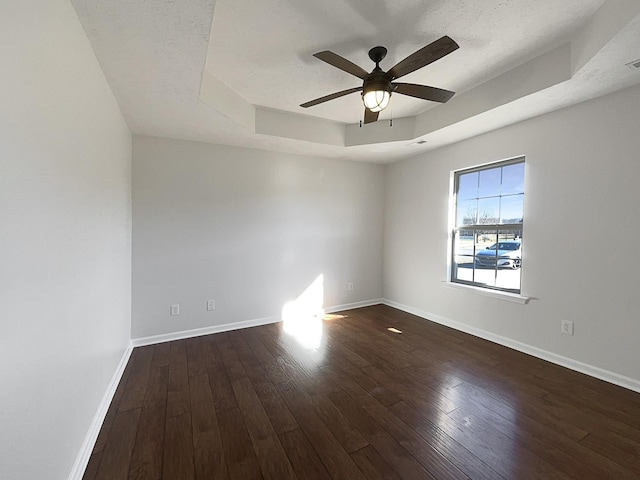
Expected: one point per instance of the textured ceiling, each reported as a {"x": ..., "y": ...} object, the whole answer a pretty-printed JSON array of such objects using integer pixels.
[
  {"x": 155, "y": 55},
  {"x": 264, "y": 49}
]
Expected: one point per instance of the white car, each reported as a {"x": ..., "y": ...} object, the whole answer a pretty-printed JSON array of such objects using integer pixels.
[{"x": 507, "y": 254}]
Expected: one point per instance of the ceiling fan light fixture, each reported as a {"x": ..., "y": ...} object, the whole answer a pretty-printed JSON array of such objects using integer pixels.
[
  {"x": 376, "y": 100},
  {"x": 376, "y": 94}
]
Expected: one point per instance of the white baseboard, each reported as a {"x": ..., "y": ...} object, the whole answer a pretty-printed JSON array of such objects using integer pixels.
[
  {"x": 82, "y": 459},
  {"x": 597, "y": 372},
  {"x": 351, "y": 306},
  {"x": 198, "y": 332},
  {"x": 227, "y": 327}
]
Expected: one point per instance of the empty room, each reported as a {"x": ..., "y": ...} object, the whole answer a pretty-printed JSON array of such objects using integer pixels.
[{"x": 305, "y": 240}]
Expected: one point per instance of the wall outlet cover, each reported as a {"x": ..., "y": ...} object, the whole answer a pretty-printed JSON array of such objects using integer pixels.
[{"x": 566, "y": 327}]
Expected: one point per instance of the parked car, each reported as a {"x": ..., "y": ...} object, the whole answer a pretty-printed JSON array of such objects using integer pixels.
[{"x": 506, "y": 254}]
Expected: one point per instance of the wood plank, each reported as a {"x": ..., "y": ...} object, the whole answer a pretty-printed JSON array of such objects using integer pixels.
[
  {"x": 238, "y": 450},
  {"x": 310, "y": 379},
  {"x": 232, "y": 364},
  {"x": 406, "y": 388},
  {"x": 196, "y": 361},
  {"x": 133, "y": 396},
  {"x": 509, "y": 458},
  {"x": 304, "y": 459},
  {"x": 221, "y": 391},
  {"x": 620, "y": 450},
  {"x": 146, "y": 461},
  {"x": 271, "y": 457},
  {"x": 348, "y": 436},
  {"x": 270, "y": 365},
  {"x": 178, "y": 461},
  {"x": 250, "y": 363},
  {"x": 565, "y": 455},
  {"x": 374, "y": 467},
  {"x": 585, "y": 418},
  {"x": 178, "y": 402},
  {"x": 116, "y": 455},
  {"x": 432, "y": 459},
  {"x": 346, "y": 383},
  {"x": 161, "y": 355},
  {"x": 277, "y": 410},
  {"x": 371, "y": 386},
  {"x": 336, "y": 460},
  {"x": 392, "y": 452},
  {"x": 467, "y": 462},
  {"x": 208, "y": 451}
]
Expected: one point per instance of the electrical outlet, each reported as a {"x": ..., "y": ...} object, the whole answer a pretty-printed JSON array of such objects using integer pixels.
[
  {"x": 175, "y": 309},
  {"x": 566, "y": 327},
  {"x": 350, "y": 286},
  {"x": 211, "y": 305}
]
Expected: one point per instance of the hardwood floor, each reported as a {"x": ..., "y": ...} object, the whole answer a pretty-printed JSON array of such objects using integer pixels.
[{"x": 367, "y": 403}]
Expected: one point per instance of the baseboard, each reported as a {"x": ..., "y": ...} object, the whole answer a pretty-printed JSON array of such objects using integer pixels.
[
  {"x": 351, "y": 306},
  {"x": 227, "y": 327},
  {"x": 198, "y": 332},
  {"x": 82, "y": 459},
  {"x": 597, "y": 372}
]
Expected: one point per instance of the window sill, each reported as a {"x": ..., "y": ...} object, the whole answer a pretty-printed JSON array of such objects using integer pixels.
[{"x": 509, "y": 297}]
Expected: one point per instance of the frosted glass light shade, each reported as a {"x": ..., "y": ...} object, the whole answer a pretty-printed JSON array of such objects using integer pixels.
[{"x": 376, "y": 100}]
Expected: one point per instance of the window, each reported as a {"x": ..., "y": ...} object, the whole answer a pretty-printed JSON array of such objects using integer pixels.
[{"x": 487, "y": 233}]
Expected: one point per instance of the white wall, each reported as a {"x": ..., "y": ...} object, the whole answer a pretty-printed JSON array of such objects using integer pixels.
[
  {"x": 65, "y": 226},
  {"x": 581, "y": 233},
  {"x": 250, "y": 229}
]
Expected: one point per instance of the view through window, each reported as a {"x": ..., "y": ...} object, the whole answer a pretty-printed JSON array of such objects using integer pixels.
[{"x": 487, "y": 235}]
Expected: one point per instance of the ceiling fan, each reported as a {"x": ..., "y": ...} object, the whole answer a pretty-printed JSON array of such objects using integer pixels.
[{"x": 378, "y": 85}]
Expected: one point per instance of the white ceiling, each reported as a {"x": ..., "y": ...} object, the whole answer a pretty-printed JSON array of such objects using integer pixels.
[{"x": 256, "y": 60}]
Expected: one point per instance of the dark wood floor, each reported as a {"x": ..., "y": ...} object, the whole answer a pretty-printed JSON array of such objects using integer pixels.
[{"x": 368, "y": 403}]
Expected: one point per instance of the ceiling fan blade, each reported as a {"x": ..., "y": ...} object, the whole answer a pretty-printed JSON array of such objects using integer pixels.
[
  {"x": 369, "y": 116},
  {"x": 342, "y": 63},
  {"x": 326, "y": 98},
  {"x": 423, "y": 91},
  {"x": 423, "y": 57}
]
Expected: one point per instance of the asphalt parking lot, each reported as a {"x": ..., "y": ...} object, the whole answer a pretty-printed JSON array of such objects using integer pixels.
[{"x": 502, "y": 278}]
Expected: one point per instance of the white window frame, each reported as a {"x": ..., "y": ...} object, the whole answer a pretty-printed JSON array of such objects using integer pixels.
[{"x": 472, "y": 287}]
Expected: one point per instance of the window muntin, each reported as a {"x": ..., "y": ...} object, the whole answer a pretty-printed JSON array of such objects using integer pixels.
[{"x": 487, "y": 235}]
